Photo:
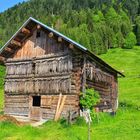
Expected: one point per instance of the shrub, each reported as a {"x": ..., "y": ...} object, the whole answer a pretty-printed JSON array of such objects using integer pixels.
[
  {"x": 89, "y": 99},
  {"x": 130, "y": 41}
]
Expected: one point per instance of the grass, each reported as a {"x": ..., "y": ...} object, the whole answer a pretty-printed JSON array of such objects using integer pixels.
[
  {"x": 127, "y": 60},
  {"x": 1, "y": 100},
  {"x": 124, "y": 126}
]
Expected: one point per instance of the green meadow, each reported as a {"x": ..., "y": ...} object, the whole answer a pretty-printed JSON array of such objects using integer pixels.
[{"x": 124, "y": 126}]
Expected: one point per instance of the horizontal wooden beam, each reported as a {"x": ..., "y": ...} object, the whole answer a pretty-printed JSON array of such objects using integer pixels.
[
  {"x": 38, "y": 26},
  {"x": 25, "y": 31},
  {"x": 16, "y": 43},
  {"x": 8, "y": 49},
  {"x": 2, "y": 58},
  {"x": 60, "y": 39},
  {"x": 71, "y": 46},
  {"x": 50, "y": 34}
]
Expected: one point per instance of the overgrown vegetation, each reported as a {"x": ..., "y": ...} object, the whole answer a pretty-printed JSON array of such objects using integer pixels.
[
  {"x": 98, "y": 25},
  {"x": 89, "y": 98}
]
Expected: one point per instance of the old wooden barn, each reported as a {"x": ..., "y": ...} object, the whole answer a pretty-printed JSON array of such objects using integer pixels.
[{"x": 41, "y": 63}]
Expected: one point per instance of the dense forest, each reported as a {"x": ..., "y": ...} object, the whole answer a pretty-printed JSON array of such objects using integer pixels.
[{"x": 96, "y": 24}]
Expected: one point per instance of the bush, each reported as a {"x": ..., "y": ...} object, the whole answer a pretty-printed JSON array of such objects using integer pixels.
[
  {"x": 89, "y": 99},
  {"x": 130, "y": 41}
]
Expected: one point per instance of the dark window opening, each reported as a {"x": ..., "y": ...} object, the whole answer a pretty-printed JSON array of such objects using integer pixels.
[
  {"x": 56, "y": 69},
  {"x": 36, "y": 101},
  {"x": 38, "y": 34},
  {"x": 51, "y": 70},
  {"x": 33, "y": 68}
]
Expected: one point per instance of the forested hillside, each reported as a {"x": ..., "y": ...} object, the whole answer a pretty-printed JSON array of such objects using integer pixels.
[{"x": 96, "y": 24}]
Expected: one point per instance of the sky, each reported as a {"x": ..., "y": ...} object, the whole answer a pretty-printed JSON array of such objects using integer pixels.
[{"x": 5, "y": 4}]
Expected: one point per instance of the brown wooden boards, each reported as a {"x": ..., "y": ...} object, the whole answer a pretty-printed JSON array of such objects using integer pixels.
[{"x": 45, "y": 65}]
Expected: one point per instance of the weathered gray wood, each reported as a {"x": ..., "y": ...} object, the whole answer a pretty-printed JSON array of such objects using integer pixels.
[{"x": 46, "y": 65}]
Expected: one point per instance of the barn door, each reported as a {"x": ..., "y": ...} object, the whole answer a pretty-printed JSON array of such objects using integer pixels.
[{"x": 35, "y": 109}]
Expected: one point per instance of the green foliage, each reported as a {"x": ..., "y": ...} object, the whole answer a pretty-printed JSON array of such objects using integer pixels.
[
  {"x": 130, "y": 41},
  {"x": 129, "y": 89},
  {"x": 2, "y": 73},
  {"x": 64, "y": 123},
  {"x": 98, "y": 25},
  {"x": 89, "y": 99},
  {"x": 137, "y": 29},
  {"x": 125, "y": 125}
]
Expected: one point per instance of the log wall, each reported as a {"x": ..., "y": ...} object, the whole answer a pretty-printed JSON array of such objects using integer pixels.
[
  {"x": 104, "y": 82},
  {"x": 49, "y": 104},
  {"x": 16, "y": 105},
  {"x": 46, "y": 76},
  {"x": 46, "y": 67},
  {"x": 39, "y": 46}
]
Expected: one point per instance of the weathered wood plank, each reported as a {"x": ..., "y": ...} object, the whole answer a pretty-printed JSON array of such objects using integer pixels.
[
  {"x": 16, "y": 43},
  {"x": 25, "y": 31}
]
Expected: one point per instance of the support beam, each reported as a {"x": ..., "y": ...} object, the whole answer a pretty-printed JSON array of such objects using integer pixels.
[
  {"x": 84, "y": 75},
  {"x": 8, "y": 49},
  {"x": 60, "y": 39},
  {"x": 50, "y": 34},
  {"x": 25, "y": 31},
  {"x": 16, "y": 43},
  {"x": 71, "y": 46},
  {"x": 2, "y": 58},
  {"x": 38, "y": 27}
]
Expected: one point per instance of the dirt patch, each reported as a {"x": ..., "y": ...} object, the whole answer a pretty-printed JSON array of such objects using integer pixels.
[
  {"x": 9, "y": 119},
  {"x": 13, "y": 120}
]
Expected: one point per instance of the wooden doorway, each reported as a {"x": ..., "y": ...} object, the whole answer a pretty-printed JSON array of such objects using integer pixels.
[{"x": 35, "y": 109}]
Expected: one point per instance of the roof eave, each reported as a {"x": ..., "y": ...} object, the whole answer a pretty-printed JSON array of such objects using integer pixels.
[{"x": 105, "y": 64}]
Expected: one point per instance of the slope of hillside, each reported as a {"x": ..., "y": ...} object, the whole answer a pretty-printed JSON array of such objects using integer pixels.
[
  {"x": 128, "y": 61},
  {"x": 124, "y": 126}
]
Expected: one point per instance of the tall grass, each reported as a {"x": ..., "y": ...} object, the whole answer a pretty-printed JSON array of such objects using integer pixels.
[{"x": 124, "y": 126}]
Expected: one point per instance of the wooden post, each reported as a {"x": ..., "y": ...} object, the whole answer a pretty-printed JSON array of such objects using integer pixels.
[
  {"x": 89, "y": 121},
  {"x": 89, "y": 130},
  {"x": 84, "y": 75},
  {"x": 61, "y": 107},
  {"x": 58, "y": 105}
]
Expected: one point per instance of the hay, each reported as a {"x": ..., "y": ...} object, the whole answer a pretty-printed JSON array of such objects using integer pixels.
[{"x": 11, "y": 119}]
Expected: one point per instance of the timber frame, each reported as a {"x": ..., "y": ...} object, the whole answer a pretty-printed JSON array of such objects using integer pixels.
[{"x": 41, "y": 63}]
